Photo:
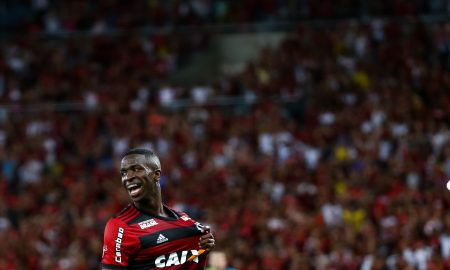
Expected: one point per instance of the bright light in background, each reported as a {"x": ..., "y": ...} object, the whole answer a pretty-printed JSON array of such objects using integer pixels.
[{"x": 448, "y": 185}]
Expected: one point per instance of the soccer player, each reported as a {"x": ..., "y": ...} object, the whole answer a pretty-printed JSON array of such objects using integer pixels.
[{"x": 148, "y": 234}]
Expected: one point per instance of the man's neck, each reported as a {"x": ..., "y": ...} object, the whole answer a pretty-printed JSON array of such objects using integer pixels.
[{"x": 156, "y": 209}]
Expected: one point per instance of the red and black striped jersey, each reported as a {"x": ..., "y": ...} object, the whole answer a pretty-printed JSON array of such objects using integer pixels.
[{"x": 137, "y": 240}]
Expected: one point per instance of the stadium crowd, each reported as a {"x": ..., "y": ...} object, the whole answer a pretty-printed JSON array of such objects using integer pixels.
[
  {"x": 336, "y": 158},
  {"x": 109, "y": 15}
]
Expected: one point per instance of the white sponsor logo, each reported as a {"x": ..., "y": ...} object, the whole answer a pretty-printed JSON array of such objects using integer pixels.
[
  {"x": 161, "y": 239},
  {"x": 147, "y": 223},
  {"x": 175, "y": 258},
  {"x": 185, "y": 218},
  {"x": 118, "y": 256}
]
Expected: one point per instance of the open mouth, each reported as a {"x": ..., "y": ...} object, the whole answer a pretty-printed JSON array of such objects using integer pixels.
[{"x": 134, "y": 189}]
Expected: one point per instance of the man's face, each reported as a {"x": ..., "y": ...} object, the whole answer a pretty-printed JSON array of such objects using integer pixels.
[{"x": 138, "y": 179}]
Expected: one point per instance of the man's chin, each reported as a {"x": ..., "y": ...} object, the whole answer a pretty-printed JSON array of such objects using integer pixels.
[
  {"x": 136, "y": 198},
  {"x": 140, "y": 199}
]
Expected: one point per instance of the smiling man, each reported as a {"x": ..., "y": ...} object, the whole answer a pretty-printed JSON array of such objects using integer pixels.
[{"x": 148, "y": 234}]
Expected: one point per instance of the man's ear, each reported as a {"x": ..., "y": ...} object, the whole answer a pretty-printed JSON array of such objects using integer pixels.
[{"x": 157, "y": 175}]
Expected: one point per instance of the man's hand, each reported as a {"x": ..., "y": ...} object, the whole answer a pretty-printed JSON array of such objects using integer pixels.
[{"x": 207, "y": 241}]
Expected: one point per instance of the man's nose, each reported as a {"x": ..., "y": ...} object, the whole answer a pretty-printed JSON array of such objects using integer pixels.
[{"x": 128, "y": 175}]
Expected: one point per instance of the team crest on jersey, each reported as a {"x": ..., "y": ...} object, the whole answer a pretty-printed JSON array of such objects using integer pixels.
[
  {"x": 147, "y": 223},
  {"x": 105, "y": 248},
  {"x": 200, "y": 227}
]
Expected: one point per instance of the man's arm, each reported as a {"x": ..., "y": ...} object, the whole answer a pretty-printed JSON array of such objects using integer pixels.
[{"x": 118, "y": 246}]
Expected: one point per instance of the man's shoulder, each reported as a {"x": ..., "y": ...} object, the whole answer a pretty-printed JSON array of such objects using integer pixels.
[
  {"x": 126, "y": 214},
  {"x": 181, "y": 214},
  {"x": 178, "y": 213}
]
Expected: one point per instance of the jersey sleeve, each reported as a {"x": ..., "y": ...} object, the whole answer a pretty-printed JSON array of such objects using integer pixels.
[
  {"x": 201, "y": 227},
  {"x": 118, "y": 245}
]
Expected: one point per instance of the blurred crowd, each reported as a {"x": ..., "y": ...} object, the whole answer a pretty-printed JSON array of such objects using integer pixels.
[
  {"x": 98, "y": 16},
  {"x": 336, "y": 156}
]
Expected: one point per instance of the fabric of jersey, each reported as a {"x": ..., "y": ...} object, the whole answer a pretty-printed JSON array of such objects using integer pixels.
[{"x": 137, "y": 240}]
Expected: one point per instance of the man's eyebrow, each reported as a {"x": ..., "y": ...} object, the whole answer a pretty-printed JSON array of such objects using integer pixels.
[{"x": 132, "y": 167}]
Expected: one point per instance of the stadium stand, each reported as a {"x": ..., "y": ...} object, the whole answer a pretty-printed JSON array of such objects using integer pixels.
[{"x": 333, "y": 154}]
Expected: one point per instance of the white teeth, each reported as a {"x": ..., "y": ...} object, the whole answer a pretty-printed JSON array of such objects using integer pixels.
[
  {"x": 135, "y": 191},
  {"x": 132, "y": 186}
]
